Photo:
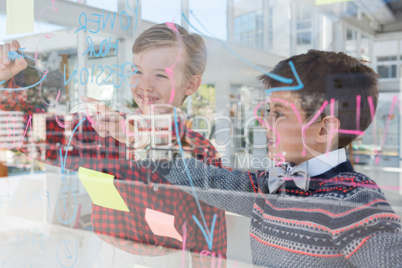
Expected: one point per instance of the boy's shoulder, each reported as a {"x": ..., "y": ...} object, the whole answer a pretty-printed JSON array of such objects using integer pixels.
[{"x": 351, "y": 186}]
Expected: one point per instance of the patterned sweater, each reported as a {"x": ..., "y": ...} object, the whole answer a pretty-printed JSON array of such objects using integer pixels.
[{"x": 343, "y": 220}]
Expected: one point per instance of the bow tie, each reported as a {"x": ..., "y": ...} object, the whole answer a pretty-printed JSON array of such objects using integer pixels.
[{"x": 278, "y": 176}]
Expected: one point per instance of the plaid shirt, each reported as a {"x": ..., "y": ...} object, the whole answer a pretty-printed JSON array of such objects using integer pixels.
[{"x": 139, "y": 186}]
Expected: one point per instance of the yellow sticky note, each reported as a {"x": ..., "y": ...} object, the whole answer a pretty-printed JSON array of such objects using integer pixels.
[
  {"x": 20, "y": 16},
  {"x": 162, "y": 224},
  {"x": 101, "y": 189},
  {"x": 325, "y": 2}
]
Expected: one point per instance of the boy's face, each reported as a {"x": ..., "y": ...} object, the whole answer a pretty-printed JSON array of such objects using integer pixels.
[
  {"x": 153, "y": 84},
  {"x": 284, "y": 135}
]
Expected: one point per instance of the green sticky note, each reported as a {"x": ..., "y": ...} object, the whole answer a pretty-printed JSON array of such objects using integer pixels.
[
  {"x": 20, "y": 16},
  {"x": 326, "y": 2},
  {"x": 101, "y": 189}
]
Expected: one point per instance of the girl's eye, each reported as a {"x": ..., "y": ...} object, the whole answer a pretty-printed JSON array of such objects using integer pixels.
[
  {"x": 161, "y": 76},
  {"x": 138, "y": 72}
]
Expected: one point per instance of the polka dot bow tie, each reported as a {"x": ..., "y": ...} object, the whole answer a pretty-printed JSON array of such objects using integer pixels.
[{"x": 278, "y": 176}]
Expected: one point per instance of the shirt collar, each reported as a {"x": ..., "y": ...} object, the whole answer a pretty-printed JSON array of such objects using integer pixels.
[{"x": 322, "y": 163}]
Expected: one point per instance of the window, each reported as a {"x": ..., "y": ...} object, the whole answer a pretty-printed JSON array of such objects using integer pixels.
[
  {"x": 304, "y": 22},
  {"x": 387, "y": 71},
  {"x": 270, "y": 29},
  {"x": 387, "y": 58},
  {"x": 351, "y": 9},
  {"x": 248, "y": 29},
  {"x": 351, "y": 42},
  {"x": 351, "y": 34},
  {"x": 365, "y": 47},
  {"x": 387, "y": 66},
  {"x": 304, "y": 38}
]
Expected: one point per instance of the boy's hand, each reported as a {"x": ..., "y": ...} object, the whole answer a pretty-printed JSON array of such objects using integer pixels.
[
  {"x": 10, "y": 68},
  {"x": 108, "y": 122}
]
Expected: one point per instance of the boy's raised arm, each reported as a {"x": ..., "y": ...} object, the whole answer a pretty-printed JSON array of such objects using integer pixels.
[{"x": 230, "y": 190}]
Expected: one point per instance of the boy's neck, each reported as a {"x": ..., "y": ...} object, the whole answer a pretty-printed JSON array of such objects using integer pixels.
[{"x": 326, "y": 161}]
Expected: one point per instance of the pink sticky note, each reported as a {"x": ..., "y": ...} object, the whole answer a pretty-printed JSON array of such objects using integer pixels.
[{"x": 162, "y": 224}]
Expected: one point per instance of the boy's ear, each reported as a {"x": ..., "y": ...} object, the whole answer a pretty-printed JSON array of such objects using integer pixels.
[
  {"x": 329, "y": 126},
  {"x": 193, "y": 85}
]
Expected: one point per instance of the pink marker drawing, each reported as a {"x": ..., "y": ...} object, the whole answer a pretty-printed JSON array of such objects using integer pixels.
[
  {"x": 297, "y": 114},
  {"x": 13, "y": 132},
  {"x": 279, "y": 159},
  {"x": 345, "y": 131},
  {"x": 374, "y": 124},
  {"x": 305, "y": 126},
  {"x": 391, "y": 111},
  {"x": 213, "y": 254},
  {"x": 183, "y": 254},
  {"x": 54, "y": 9},
  {"x": 358, "y": 108},
  {"x": 57, "y": 119},
  {"x": 169, "y": 71},
  {"x": 266, "y": 124}
]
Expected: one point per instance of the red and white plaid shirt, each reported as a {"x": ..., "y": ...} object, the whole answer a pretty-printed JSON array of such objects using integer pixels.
[{"x": 139, "y": 186}]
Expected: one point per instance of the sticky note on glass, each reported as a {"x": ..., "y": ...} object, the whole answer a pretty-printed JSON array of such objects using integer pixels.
[
  {"x": 101, "y": 189},
  {"x": 162, "y": 224},
  {"x": 20, "y": 16},
  {"x": 325, "y": 2}
]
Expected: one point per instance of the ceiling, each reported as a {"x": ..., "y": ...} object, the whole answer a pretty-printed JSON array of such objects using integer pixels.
[{"x": 395, "y": 6}]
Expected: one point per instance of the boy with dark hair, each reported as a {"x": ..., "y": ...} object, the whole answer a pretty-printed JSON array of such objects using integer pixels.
[{"x": 313, "y": 210}]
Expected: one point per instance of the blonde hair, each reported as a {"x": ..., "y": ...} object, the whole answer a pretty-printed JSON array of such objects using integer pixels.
[{"x": 194, "y": 48}]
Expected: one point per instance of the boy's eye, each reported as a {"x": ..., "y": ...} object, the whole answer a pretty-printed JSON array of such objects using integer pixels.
[
  {"x": 161, "y": 76},
  {"x": 136, "y": 72},
  {"x": 276, "y": 113}
]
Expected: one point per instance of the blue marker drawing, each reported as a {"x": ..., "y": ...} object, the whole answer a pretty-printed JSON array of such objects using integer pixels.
[
  {"x": 135, "y": 12},
  {"x": 297, "y": 87},
  {"x": 211, "y": 232},
  {"x": 208, "y": 234},
  {"x": 23, "y": 88},
  {"x": 67, "y": 251},
  {"x": 63, "y": 162},
  {"x": 2, "y": 82},
  {"x": 13, "y": 55},
  {"x": 274, "y": 76},
  {"x": 75, "y": 204}
]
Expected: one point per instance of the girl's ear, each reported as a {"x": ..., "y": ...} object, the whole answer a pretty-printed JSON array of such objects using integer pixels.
[
  {"x": 328, "y": 131},
  {"x": 193, "y": 85}
]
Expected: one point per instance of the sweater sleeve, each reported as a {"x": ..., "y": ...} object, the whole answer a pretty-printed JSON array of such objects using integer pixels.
[{"x": 230, "y": 190}]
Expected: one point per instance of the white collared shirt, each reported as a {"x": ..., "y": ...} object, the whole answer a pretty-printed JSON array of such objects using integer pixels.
[{"x": 324, "y": 162}]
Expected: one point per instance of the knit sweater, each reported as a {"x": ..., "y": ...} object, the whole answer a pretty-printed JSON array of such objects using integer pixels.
[{"x": 342, "y": 220}]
